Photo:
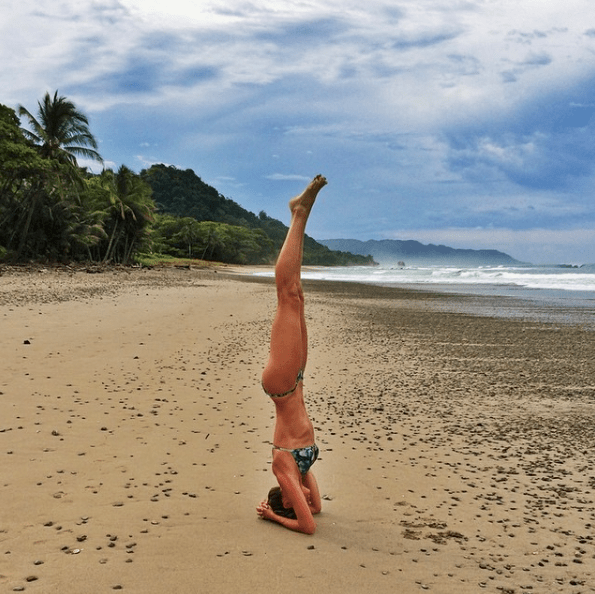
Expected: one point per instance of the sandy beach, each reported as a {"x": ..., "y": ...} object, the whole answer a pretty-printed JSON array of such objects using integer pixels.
[{"x": 456, "y": 450}]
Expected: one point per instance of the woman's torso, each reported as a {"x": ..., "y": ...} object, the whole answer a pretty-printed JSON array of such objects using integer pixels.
[{"x": 293, "y": 428}]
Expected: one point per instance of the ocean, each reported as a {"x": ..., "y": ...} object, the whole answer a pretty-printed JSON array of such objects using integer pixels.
[{"x": 542, "y": 293}]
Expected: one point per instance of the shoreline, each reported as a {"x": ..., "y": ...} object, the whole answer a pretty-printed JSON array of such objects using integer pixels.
[
  {"x": 456, "y": 450},
  {"x": 94, "y": 280},
  {"x": 501, "y": 301}
]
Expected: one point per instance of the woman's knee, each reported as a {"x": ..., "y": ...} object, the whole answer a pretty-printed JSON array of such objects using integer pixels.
[{"x": 290, "y": 293}]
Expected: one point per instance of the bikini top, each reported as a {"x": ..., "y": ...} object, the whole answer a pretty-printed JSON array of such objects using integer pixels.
[{"x": 300, "y": 377}]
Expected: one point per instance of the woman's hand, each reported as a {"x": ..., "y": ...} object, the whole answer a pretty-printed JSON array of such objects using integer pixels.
[{"x": 264, "y": 511}]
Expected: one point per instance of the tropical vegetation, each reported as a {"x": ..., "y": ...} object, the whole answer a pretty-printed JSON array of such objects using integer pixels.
[{"x": 52, "y": 209}]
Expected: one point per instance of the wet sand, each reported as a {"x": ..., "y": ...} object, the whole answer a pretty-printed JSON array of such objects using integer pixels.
[{"x": 457, "y": 450}]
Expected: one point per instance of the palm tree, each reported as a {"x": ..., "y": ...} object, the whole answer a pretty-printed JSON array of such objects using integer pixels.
[
  {"x": 61, "y": 131},
  {"x": 189, "y": 233},
  {"x": 129, "y": 209}
]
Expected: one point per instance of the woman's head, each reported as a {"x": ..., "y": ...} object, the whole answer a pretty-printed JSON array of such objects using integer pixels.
[{"x": 275, "y": 501}]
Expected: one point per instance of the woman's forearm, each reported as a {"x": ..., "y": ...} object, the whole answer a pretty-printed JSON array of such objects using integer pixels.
[{"x": 290, "y": 523}]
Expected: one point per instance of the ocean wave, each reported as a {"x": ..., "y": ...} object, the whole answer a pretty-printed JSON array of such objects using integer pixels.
[{"x": 562, "y": 279}]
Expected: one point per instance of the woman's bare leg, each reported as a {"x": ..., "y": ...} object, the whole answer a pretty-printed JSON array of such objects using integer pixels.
[{"x": 289, "y": 341}]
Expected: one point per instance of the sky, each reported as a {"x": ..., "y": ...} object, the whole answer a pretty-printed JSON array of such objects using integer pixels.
[{"x": 467, "y": 123}]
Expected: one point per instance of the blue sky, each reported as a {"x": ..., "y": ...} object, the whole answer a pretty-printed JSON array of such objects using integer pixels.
[{"x": 468, "y": 123}]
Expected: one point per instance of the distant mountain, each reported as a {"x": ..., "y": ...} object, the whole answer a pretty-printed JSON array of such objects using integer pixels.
[{"x": 392, "y": 251}]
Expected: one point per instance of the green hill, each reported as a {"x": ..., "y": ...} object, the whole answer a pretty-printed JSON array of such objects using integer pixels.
[{"x": 183, "y": 195}]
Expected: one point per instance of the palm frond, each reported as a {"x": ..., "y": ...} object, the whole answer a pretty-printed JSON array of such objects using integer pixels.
[{"x": 61, "y": 130}]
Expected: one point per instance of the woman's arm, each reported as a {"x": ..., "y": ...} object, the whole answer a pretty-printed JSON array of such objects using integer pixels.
[
  {"x": 265, "y": 512},
  {"x": 315, "y": 502},
  {"x": 293, "y": 492}
]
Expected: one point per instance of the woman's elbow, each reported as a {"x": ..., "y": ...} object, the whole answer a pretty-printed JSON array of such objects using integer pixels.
[{"x": 308, "y": 528}]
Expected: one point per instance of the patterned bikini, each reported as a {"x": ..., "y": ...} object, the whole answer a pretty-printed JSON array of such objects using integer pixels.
[
  {"x": 300, "y": 377},
  {"x": 304, "y": 457}
]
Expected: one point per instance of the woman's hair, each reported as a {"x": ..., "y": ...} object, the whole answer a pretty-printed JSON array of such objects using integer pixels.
[{"x": 275, "y": 502}]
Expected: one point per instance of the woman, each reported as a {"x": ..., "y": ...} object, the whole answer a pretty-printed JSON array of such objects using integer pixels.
[{"x": 297, "y": 499}]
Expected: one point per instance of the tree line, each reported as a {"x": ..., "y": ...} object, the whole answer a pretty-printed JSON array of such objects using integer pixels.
[{"x": 51, "y": 209}]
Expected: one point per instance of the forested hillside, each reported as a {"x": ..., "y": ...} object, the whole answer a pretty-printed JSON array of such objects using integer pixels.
[
  {"x": 182, "y": 194},
  {"x": 53, "y": 210}
]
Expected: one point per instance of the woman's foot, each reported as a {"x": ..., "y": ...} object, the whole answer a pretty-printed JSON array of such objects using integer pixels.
[{"x": 305, "y": 200}]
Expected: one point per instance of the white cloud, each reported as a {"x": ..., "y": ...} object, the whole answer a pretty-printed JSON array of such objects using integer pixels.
[
  {"x": 94, "y": 166},
  {"x": 147, "y": 162},
  {"x": 287, "y": 177},
  {"x": 419, "y": 66}
]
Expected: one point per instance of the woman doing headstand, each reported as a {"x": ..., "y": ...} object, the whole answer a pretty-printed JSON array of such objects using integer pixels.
[{"x": 296, "y": 500}]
